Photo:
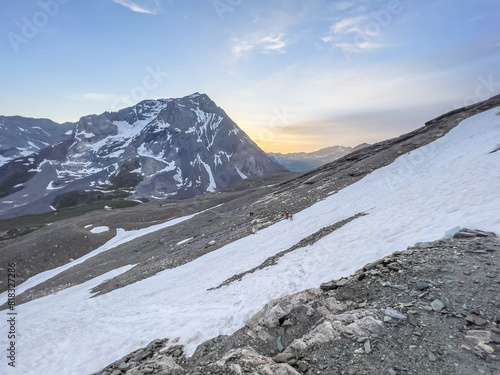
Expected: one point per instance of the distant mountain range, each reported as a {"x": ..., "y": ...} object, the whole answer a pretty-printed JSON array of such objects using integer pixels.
[
  {"x": 307, "y": 161},
  {"x": 156, "y": 149}
]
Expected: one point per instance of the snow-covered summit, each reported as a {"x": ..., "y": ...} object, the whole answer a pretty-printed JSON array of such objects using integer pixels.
[{"x": 154, "y": 149}]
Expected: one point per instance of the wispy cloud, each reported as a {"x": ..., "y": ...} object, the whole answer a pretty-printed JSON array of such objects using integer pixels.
[
  {"x": 343, "y": 5},
  {"x": 348, "y": 25},
  {"x": 268, "y": 44},
  {"x": 356, "y": 33},
  {"x": 273, "y": 43},
  {"x": 148, "y": 6},
  {"x": 94, "y": 96}
]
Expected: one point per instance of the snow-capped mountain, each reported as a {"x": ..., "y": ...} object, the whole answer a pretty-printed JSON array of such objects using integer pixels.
[
  {"x": 307, "y": 161},
  {"x": 156, "y": 149}
]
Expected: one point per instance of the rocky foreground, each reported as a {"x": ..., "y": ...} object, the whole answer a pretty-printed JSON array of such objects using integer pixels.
[{"x": 432, "y": 309}]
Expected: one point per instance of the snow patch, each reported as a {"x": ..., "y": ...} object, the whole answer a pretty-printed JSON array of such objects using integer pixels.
[
  {"x": 242, "y": 175},
  {"x": 184, "y": 241},
  {"x": 101, "y": 229}
]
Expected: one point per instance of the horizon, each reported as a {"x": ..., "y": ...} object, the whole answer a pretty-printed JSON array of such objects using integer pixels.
[{"x": 295, "y": 76}]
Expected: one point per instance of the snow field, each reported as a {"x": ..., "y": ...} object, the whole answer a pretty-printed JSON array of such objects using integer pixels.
[
  {"x": 424, "y": 195},
  {"x": 122, "y": 236}
]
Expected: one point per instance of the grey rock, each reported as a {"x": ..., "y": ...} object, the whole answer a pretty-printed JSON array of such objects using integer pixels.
[
  {"x": 437, "y": 305},
  {"x": 141, "y": 355},
  {"x": 476, "y": 320},
  {"x": 279, "y": 345},
  {"x": 303, "y": 366},
  {"x": 367, "y": 346},
  {"x": 422, "y": 285},
  {"x": 411, "y": 319},
  {"x": 394, "y": 314},
  {"x": 342, "y": 282},
  {"x": 464, "y": 235},
  {"x": 373, "y": 325},
  {"x": 331, "y": 285},
  {"x": 476, "y": 337},
  {"x": 124, "y": 366},
  {"x": 168, "y": 365},
  {"x": 283, "y": 357},
  {"x": 394, "y": 266}
]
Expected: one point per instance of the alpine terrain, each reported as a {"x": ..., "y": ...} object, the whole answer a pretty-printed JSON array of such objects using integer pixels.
[
  {"x": 307, "y": 161},
  {"x": 156, "y": 149},
  {"x": 391, "y": 264}
]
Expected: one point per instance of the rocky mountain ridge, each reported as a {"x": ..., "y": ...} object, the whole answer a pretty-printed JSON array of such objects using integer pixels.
[
  {"x": 307, "y": 161},
  {"x": 156, "y": 149}
]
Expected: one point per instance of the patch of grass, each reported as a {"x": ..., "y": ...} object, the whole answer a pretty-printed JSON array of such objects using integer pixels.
[
  {"x": 79, "y": 198},
  {"x": 7, "y": 187},
  {"x": 125, "y": 178},
  {"x": 21, "y": 225}
]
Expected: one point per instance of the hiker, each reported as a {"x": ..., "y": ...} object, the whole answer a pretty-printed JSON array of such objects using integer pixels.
[
  {"x": 290, "y": 217},
  {"x": 286, "y": 215}
]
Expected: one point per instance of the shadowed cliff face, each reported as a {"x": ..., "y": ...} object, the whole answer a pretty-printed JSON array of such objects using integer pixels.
[{"x": 157, "y": 149}]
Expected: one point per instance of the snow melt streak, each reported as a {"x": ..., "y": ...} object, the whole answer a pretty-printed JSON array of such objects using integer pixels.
[{"x": 421, "y": 196}]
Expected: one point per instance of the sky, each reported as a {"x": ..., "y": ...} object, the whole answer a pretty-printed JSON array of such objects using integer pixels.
[{"x": 295, "y": 75}]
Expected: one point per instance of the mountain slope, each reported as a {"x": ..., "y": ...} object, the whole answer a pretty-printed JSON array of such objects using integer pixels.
[
  {"x": 307, "y": 161},
  {"x": 21, "y": 136},
  {"x": 155, "y": 149},
  {"x": 427, "y": 193}
]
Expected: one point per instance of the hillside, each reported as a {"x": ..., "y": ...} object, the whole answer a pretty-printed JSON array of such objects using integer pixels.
[{"x": 200, "y": 268}]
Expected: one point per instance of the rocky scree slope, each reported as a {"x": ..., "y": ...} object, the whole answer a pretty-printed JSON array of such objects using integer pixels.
[
  {"x": 432, "y": 309},
  {"x": 156, "y": 149},
  {"x": 243, "y": 212}
]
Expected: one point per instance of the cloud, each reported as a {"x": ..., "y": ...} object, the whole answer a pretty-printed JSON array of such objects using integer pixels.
[
  {"x": 94, "y": 96},
  {"x": 343, "y": 5},
  {"x": 356, "y": 34},
  {"x": 148, "y": 6},
  {"x": 241, "y": 47},
  {"x": 348, "y": 25},
  {"x": 359, "y": 46},
  {"x": 268, "y": 44},
  {"x": 273, "y": 43}
]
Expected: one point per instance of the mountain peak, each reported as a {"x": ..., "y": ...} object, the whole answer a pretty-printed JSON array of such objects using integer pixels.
[{"x": 156, "y": 149}]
